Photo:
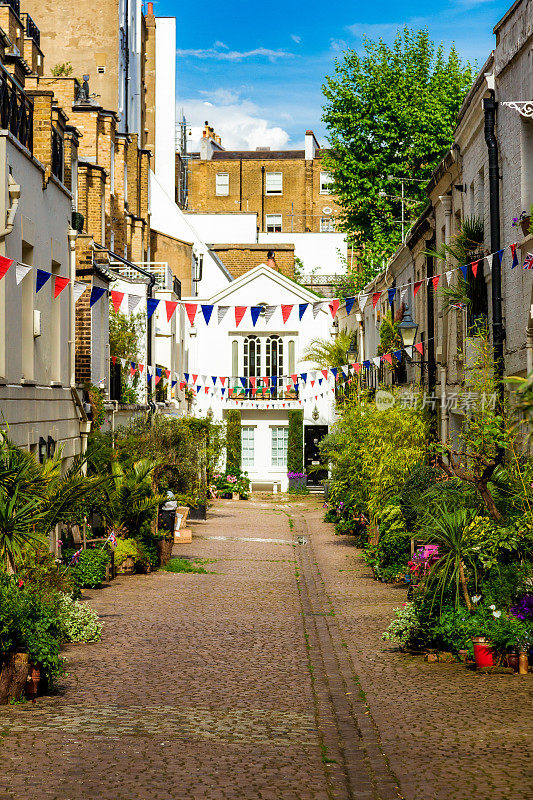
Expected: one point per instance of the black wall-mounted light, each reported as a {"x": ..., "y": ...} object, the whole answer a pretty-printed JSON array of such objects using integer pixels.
[
  {"x": 51, "y": 447},
  {"x": 43, "y": 450}
]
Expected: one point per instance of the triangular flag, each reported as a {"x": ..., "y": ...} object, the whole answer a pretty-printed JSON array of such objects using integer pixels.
[
  {"x": 334, "y": 307},
  {"x": 375, "y": 298},
  {"x": 167, "y": 373},
  {"x": 286, "y": 312},
  {"x": 114, "y": 360},
  {"x": 157, "y": 379},
  {"x": 303, "y": 376},
  {"x": 255, "y": 313},
  {"x": 363, "y": 299},
  {"x": 475, "y": 265},
  {"x": 240, "y": 311},
  {"x": 464, "y": 270},
  {"x": 21, "y": 270},
  {"x": 133, "y": 302},
  {"x": 97, "y": 292},
  {"x": 391, "y": 293},
  {"x": 302, "y": 308},
  {"x": 515, "y": 257},
  {"x": 388, "y": 357},
  {"x": 324, "y": 373},
  {"x": 366, "y": 364},
  {"x": 500, "y": 256},
  {"x": 377, "y": 361},
  {"x": 269, "y": 310},
  {"x": 141, "y": 367},
  {"x": 42, "y": 277},
  {"x": 317, "y": 307},
  {"x": 357, "y": 367},
  {"x": 416, "y": 287},
  {"x": 214, "y": 379},
  {"x": 221, "y": 313},
  {"x": 243, "y": 382},
  {"x": 349, "y": 304},
  {"x": 79, "y": 288},
  {"x": 191, "y": 309},
  {"x": 398, "y": 354},
  {"x": 207, "y": 310},
  {"x": 59, "y": 284},
  {"x": 158, "y": 371},
  {"x": 151, "y": 305},
  {"x": 133, "y": 368},
  {"x": 174, "y": 382},
  {"x": 185, "y": 375},
  {"x": 449, "y": 276},
  {"x": 435, "y": 281},
  {"x": 409, "y": 350},
  {"x": 170, "y": 306},
  {"x": 194, "y": 378},
  {"x": 222, "y": 379},
  {"x": 420, "y": 348},
  {"x": 5, "y": 263},
  {"x": 116, "y": 299},
  {"x": 334, "y": 371},
  {"x": 206, "y": 390}
]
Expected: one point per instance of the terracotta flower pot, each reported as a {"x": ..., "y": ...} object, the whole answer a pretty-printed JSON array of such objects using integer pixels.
[
  {"x": 34, "y": 679},
  {"x": 483, "y": 652},
  {"x": 512, "y": 661}
]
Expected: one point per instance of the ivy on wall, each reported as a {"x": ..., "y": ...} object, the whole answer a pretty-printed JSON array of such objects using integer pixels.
[
  {"x": 233, "y": 440},
  {"x": 295, "y": 450}
]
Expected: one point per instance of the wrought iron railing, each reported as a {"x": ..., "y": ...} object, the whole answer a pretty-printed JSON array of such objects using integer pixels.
[
  {"x": 57, "y": 154},
  {"x": 14, "y": 4},
  {"x": 16, "y": 110},
  {"x": 32, "y": 31}
]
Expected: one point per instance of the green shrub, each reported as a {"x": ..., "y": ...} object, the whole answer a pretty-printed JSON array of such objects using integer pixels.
[
  {"x": 295, "y": 446},
  {"x": 418, "y": 481},
  {"x": 394, "y": 544},
  {"x": 126, "y": 548},
  {"x": 330, "y": 515},
  {"x": 233, "y": 441},
  {"x": 77, "y": 622},
  {"x": 90, "y": 570}
]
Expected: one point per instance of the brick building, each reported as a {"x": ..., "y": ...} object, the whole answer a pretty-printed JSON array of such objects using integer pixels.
[{"x": 289, "y": 190}]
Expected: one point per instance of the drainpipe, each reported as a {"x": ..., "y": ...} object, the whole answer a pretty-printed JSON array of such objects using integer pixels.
[
  {"x": 498, "y": 331},
  {"x": 262, "y": 199},
  {"x": 72, "y": 275},
  {"x": 446, "y": 202},
  {"x": 529, "y": 340}
]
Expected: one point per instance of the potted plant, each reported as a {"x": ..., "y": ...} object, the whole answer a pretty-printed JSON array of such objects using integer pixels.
[{"x": 125, "y": 555}]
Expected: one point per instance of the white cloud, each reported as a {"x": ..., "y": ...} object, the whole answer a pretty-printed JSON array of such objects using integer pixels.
[
  {"x": 296, "y": 38},
  {"x": 222, "y": 45},
  {"x": 236, "y": 120},
  {"x": 234, "y": 55}
]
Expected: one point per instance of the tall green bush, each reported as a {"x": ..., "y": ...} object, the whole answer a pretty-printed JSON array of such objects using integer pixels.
[
  {"x": 233, "y": 440},
  {"x": 295, "y": 448}
]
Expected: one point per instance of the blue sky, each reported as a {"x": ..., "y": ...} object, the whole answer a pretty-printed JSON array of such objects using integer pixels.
[{"x": 256, "y": 72}]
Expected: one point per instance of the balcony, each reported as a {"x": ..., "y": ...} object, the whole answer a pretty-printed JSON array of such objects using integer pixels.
[
  {"x": 13, "y": 4},
  {"x": 263, "y": 393},
  {"x": 32, "y": 31},
  {"x": 16, "y": 110}
]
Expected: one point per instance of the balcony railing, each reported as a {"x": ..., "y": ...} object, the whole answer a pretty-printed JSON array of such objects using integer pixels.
[
  {"x": 16, "y": 110},
  {"x": 32, "y": 31},
  {"x": 262, "y": 391},
  {"x": 57, "y": 154},
  {"x": 13, "y": 4}
]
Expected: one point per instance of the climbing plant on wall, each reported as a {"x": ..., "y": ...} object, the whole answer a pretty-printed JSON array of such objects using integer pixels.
[
  {"x": 295, "y": 450},
  {"x": 233, "y": 440}
]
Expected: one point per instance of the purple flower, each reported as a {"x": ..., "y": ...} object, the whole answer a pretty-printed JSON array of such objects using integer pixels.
[{"x": 524, "y": 608}]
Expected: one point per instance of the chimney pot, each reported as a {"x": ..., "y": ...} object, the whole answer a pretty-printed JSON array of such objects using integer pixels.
[{"x": 150, "y": 9}]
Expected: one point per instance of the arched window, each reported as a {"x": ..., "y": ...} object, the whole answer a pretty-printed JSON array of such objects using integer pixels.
[
  {"x": 274, "y": 362},
  {"x": 252, "y": 358}
]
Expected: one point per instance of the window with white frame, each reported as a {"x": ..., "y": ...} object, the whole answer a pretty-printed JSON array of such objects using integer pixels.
[
  {"x": 327, "y": 224},
  {"x": 273, "y": 223},
  {"x": 252, "y": 359},
  {"x": 274, "y": 183},
  {"x": 274, "y": 362},
  {"x": 280, "y": 441},
  {"x": 326, "y": 182},
  {"x": 247, "y": 446},
  {"x": 222, "y": 184}
]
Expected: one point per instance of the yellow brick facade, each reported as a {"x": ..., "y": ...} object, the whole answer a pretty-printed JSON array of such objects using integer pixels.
[{"x": 241, "y": 258}]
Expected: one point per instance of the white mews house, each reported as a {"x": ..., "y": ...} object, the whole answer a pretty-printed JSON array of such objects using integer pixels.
[{"x": 258, "y": 364}]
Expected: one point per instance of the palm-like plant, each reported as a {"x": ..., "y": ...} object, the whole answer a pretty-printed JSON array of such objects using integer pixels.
[
  {"x": 18, "y": 519},
  {"x": 129, "y": 496},
  {"x": 329, "y": 352},
  {"x": 448, "y": 528}
]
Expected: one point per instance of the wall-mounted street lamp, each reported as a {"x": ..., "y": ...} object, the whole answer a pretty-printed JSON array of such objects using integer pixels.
[{"x": 408, "y": 329}]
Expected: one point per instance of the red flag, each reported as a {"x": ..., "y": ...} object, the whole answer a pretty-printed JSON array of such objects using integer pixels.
[
  {"x": 388, "y": 358},
  {"x": 116, "y": 299},
  {"x": 357, "y": 367},
  {"x": 375, "y": 298},
  {"x": 475, "y": 265},
  {"x": 59, "y": 284},
  {"x": 222, "y": 380},
  {"x": 191, "y": 309},
  {"x": 420, "y": 348},
  {"x": 132, "y": 370},
  {"x": 417, "y": 285},
  {"x": 334, "y": 307},
  {"x": 435, "y": 281},
  {"x": 312, "y": 384},
  {"x": 183, "y": 384},
  {"x": 252, "y": 381},
  {"x": 230, "y": 391},
  {"x": 194, "y": 378},
  {"x": 157, "y": 379},
  {"x": 266, "y": 381},
  {"x": 5, "y": 263},
  {"x": 167, "y": 373},
  {"x": 286, "y": 312},
  {"x": 324, "y": 373},
  {"x": 294, "y": 378},
  {"x": 171, "y": 307},
  {"x": 206, "y": 389},
  {"x": 141, "y": 367},
  {"x": 283, "y": 405},
  {"x": 114, "y": 360},
  {"x": 240, "y": 311}
]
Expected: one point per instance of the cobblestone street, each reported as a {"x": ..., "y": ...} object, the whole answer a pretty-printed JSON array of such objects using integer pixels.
[{"x": 267, "y": 679}]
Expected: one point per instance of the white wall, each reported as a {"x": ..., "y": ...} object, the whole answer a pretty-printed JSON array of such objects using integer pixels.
[
  {"x": 165, "y": 103},
  {"x": 319, "y": 252},
  {"x": 238, "y": 228}
]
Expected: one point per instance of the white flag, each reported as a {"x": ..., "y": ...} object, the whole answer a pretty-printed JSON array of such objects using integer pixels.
[
  {"x": 317, "y": 307},
  {"x": 79, "y": 288},
  {"x": 133, "y": 302},
  {"x": 409, "y": 350},
  {"x": 363, "y": 298},
  {"x": 21, "y": 270},
  {"x": 269, "y": 311},
  {"x": 377, "y": 361},
  {"x": 222, "y": 311},
  {"x": 449, "y": 276}
]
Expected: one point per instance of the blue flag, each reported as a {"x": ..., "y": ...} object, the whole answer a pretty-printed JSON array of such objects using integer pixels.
[
  {"x": 464, "y": 270},
  {"x": 207, "y": 311},
  {"x": 42, "y": 277},
  {"x": 274, "y": 380},
  {"x": 391, "y": 292},
  {"x": 334, "y": 371},
  {"x": 214, "y": 379},
  {"x": 151, "y": 305},
  {"x": 159, "y": 371},
  {"x": 303, "y": 376},
  {"x": 366, "y": 364},
  {"x": 255, "y": 312},
  {"x": 398, "y": 354},
  {"x": 302, "y": 309},
  {"x": 186, "y": 376},
  {"x": 173, "y": 384},
  {"x": 349, "y": 304},
  {"x": 500, "y": 256},
  {"x": 96, "y": 293},
  {"x": 243, "y": 381}
]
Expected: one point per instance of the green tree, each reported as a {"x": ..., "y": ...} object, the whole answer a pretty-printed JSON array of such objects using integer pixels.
[
  {"x": 391, "y": 112},
  {"x": 126, "y": 332},
  {"x": 233, "y": 440},
  {"x": 329, "y": 352},
  {"x": 295, "y": 446}
]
